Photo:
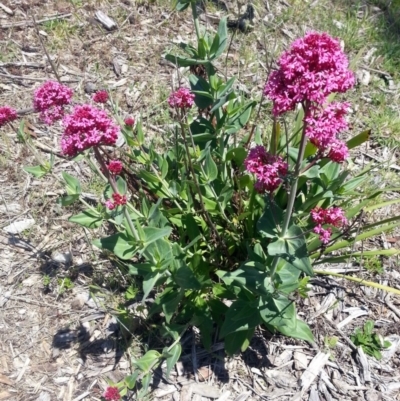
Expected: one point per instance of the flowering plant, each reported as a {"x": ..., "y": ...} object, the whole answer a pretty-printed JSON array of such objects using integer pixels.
[{"x": 224, "y": 226}]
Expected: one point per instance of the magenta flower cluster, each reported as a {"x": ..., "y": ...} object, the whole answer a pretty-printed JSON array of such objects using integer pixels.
[
  {"x": 112, "y": 394},
  {"x": 100, "y": 96},
  {"x": 314, "y": 67},
  {"x": 181, "y": 99},
  {"x": 333, "y": 216},
  {"x": 115, "y": 166},
  {"x": 50, "y": 100},
  {"x": 118, "y": 200},
  {"x": 323, "y": 127},
  {"x": 86, "y": 127},
  {"x": 268, "y": 169},
  {"x": 7, "y": 114}
]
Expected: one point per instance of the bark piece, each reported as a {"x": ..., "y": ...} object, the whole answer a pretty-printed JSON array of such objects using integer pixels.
[{"x": 105, "y": 20}]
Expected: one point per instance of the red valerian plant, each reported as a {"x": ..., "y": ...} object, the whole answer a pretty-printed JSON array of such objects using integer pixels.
[
  {"x": 50, "y": 100},
  {"x": 212, "y": 218}
]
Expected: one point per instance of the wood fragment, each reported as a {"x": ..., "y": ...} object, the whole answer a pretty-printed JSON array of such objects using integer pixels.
[
  {"x": 365, "y": 369},
  {"x": 311, "y": 373},
  {"x": 6, "y": 9},
  {"x": 22, "y": 64},
  {"x": 314, "y": 394},
  {"x": 105, "y": 20},
  {"x": 39, "y": 21},
  {"x": 6, "y": 380},
  {"x": 353, "y": 315}
]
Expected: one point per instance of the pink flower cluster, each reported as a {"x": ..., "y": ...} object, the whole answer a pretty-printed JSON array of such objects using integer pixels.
[
  {"x": 118, "y": 199},
  {"x": 100, "y": 97},
  {"x": 86, "y": 127},
  {"x": 333, "y": 216},
  {"x": 268, "y": 169},
  {"x": 323, "y": 127},
  {"x": 181, "y": 99},
  {"x": 7, "y": 114},
  {"x": 50, "y": 99},
  {"x": 115, "y": 166},
  {"x": 314, "y": 67},
  {"x": 112, "y": 394}
]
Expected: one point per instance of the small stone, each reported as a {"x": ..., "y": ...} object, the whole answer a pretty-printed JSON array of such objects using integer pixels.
[
  {"x": 19, "y": 226},
  {"x": 372, "y": 395},
  {"x": 64, "y": 258},
  {"x": 43, "y": 396},
  {"x": 78, "y": 302},
  {"x": 338, "y": 24}
]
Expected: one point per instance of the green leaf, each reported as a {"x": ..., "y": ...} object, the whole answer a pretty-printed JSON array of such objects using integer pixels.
[
  {"x": 73, "y": 185},
  {"x": 270, "y": 219},
  {"x": 210, "y": 168},
  {"x": 201, "y": 88},
  {"x": 240, "y": 316},
  {"x": 302, "y": 331},
  {"x": 121, "y": 185},
  {"x": 130, "y": 380},
  {"x": 220, "y": 39},
  {"x": 147, "y": 361},
  {"x": 88, "y": 218},
  {"x": 368, "y": 327},
  {"x": 36, "y": 171},
  {"x": 292, "y": 249},
  {"x": 238, "y": 341},
  {"x": 250, "y": 278},
  {"x": 169, "y": 301},
  {"x": 359, "y": 139},
  {"x": 159, "y": 253},
  {"x": 149, "y": 281},
  {"x": 240, "y": 119},
  {"x": 351, "y": 184},
  {"x": 184, "y": 61},
  {"x": 289, "y": 277},
  {"x": 153, "y": 234},
  {"x": 238, "y": 155},
  {"x": 67, "y": 200},
  {"x": 365, "y": 254},
  {"x": 224, "y": 89},
  {"x": 186, "y": 279},
  {"x": 277, "y": 310},
  {"x": 171, "y": 361},
  {"x": 120, "y": 244}
]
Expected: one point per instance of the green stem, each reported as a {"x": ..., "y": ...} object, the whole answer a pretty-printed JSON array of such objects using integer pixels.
[
  {"x": 250, "y": 226},
  {"x": 195, "y": 19},
  {"x": 293, "y": 189},
  {"x": 359, "y": 281},
  {"x": 100, "y": 160}
]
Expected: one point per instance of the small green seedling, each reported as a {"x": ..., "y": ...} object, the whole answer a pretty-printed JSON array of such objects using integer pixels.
[
  {"x": 370, "y": 342},
  {"x": 65, "y": 284}
]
